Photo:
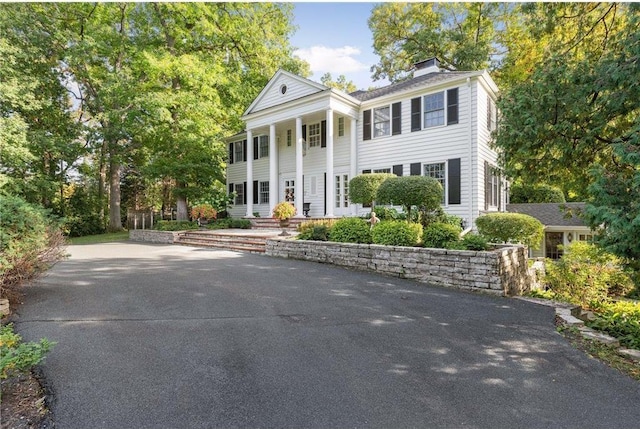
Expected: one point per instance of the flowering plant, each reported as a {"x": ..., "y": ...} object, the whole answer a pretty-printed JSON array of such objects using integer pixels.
[
  {"x": 203, "y": 211},
  {"x": 284, "y": 210}
]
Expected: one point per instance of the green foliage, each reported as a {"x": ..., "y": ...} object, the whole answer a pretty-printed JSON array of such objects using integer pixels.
[
  {"x": 511, "y": 228},
  {"x": 586, "y": 274},
  {"x": 240, "y": 223},
  {"x": 175, "y": 225},
  {"x": 16, "y": 355},
  {"x": 284, "y": 210},
  {"x": 341, "y": 83},
  {"x": 317, "y": 230},
  {"x": 540, "y": 193},
  {"x": 397, "y": 233},
  {"x": 203, "y": 211},
  {"x": 428, "y": 217},
  {"x": 386, "y": 213},
  {"x": 363, "y": 188},
  {"x": 409, "y": 191},
  {"x": 440, "y": 235},
  {"x": 350, "y": 230},
  {"x": 475, "y": 242},
  {"x": 619, "y": 319}
]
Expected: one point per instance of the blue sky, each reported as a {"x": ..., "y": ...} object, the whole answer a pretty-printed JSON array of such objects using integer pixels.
[{"x": 339, "y": 45}]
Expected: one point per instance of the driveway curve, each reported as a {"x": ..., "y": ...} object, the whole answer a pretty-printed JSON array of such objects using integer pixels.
[{"x": 160, "y": 336}]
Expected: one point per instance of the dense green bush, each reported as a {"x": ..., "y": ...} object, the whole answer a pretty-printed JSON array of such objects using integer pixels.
[
  {"x": 440, "y": 235},
  {"x": 351, "y": 230},
  {"x": 16, "y": 355},
  {"x": 240, "y": 223},
  {"x": 30, "y": 241},
  {"x": 363, "y": 188},
  {"x": 409, "y": 191},
  {"x": 86, "y": 224},
  {"x": 475, "y": 242},
  {"x": 586, "y": 274},
  {"x": 317, "y": 230},
  {"x": 511, "y": 228},
  {"x": 428, "y": 217},
  {"x": 386, "y": 213},
  {"x": 175, "y": 225},
  {"x": 397, "y": 233},
  {"x": 620, "y": 319},
  {"x": 540, "y": 193}
]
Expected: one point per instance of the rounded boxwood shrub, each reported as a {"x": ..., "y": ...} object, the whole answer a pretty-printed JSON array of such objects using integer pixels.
[
  {"x": 317, "y": 230},
  {"x": 396, "y": 233},
  {"x": 409, "y": 191},
  {"x": 351, "y": 230},
  {"x": 511, "y": 228},
  {"x": 363, "y": 188},
  {"x": 475, "y": 242},
  {"x": 440, "y": 235}
]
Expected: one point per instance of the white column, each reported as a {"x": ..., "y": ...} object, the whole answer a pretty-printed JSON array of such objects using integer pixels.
[
  {"x": 298, "y": 197},
  {"x": 273, "y": 168},
  {"x": 249, "y": 191},
  {"x": 330, "y": 188},
  {"x": 353, "y": 157}
]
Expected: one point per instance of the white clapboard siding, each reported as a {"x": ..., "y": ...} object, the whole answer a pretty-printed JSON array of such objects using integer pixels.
[{"x": 297, "y": 87}]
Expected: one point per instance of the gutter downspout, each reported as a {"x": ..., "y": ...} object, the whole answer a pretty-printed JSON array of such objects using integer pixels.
[{"x": 471, "y": 179}]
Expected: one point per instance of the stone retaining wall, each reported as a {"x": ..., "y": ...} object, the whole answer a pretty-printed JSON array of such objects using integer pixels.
[
  {"x": 503, "y": 270},
  {"x": 152, "y": 236}
]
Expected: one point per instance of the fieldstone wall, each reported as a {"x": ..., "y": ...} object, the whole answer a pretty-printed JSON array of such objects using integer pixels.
[
  {"x": 503, "y": 270},
  {"x": 152, "y": 236}
]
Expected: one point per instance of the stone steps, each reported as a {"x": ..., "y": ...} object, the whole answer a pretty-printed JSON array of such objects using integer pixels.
[{"x": 245, "y": 242}]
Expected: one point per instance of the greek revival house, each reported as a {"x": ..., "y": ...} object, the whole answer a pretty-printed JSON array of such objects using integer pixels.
[{"x": 305, "y": 141}]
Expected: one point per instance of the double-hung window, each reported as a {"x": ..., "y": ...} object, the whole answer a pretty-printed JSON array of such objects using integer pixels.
[
  {"x": 341, "y": 126},
  {"x": 264, "y": 193},
  {"x": 239, "y": 188},
  {"x": 381, "y": 121},
  {"x": 263, "y": 146},
  {"x": 288, "y": 137},
  {"x": 438, "y": 172},
  {"x": 434, "y": 109},
  {"x": 314, "y": 135},
  {"x": 238, "y": 153}
]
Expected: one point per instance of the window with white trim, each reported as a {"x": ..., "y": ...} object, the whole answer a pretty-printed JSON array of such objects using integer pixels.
[
  {"x": 434, "y": 109},
  {"x": 437, "y": 171},
  {"x": 381, "y": 121},
  {"x": 382, "y": 170},
  {"x": 341, "y": 126},
  {"x": 264, "y": 192},
  {"x": 263, "y": 146},
  {"x": 238, "y": 152},
  {"x": 239, "y": 188},
  {"x": 494, "y": 188},
  {"x": 313, "y": 135},
  {"x": 586, "y": 237},
  {"x": 288, "y": 137}
]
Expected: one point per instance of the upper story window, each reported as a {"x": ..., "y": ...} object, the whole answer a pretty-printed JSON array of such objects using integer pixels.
[
  {"x": 381, "y": 121},
  {"x": 313, "y": 135},
  {"x": 341, "y": 126},
  {"x": 236, "y": 151},
  {"x": 263, "y": 146},
  {"x": 491, "y": 113},
  {"x": 432, "y": 110}
]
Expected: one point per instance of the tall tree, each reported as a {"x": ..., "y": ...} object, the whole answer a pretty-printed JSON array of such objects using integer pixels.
[{"x": 340, "y": 83}]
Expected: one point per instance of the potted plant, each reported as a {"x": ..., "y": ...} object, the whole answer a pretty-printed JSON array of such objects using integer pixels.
[
  {"x": 284, "y": 211},
  {"x": 203, "y": 213}
]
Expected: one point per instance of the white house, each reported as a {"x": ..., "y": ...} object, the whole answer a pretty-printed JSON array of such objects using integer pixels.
[{"x": 305, "y": 141}]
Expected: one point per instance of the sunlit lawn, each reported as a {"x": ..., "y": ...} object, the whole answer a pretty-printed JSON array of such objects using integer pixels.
[{"x": 100, "y": 238}]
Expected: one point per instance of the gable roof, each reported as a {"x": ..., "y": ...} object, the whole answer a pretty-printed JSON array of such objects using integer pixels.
[
  {"x": 551, "y": 214},
  {"x": 414, "y": 83},
  {"x": 312, "y": 86}
]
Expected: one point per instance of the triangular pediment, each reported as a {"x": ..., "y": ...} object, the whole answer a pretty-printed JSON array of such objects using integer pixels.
[{"x": 282, "y": 88}]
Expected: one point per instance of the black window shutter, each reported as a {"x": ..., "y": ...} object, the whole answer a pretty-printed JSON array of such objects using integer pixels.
[
  {"x": 230, "y": 188},
  {"x": 244, "y": 150},
  {"x": 255, "y": 192},
  {"x": 244, "y": 193},
  {"x": 416, "y": 114},
  {"x": 453, "y": 181},
  {"x": 304, "y": 132},
  {"x": 323, "y": 134},
  {"x": 366, "y": 125},
  {"x": 452, "y": 106},
  {"x": 415, "y": 169},
  {"x": 487, "y": 184},
  {"x": 366, "y": 171},
  {"x": 230, "y": 153},
  {"x": 397, "y": 170},
  {"x": 255, "y": 148},
  {"x": 396, "y": 120}
]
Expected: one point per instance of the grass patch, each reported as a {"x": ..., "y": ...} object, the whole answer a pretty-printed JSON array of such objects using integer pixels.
[
  {"x": 607, "y": 354},
  {"x": 101, "y": 238}
]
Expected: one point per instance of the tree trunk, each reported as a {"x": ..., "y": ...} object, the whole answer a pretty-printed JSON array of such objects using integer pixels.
[
  {"x": 102, "y": 179},
  {"x": 183, "y": 213},
  {"x": 115, "y": 222}
]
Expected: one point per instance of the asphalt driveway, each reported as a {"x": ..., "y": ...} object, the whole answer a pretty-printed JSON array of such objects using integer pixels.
[{"x": 158, "y": 336}]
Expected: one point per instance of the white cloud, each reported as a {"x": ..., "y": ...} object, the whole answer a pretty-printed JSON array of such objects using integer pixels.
[{"x": 337, "y": 61}]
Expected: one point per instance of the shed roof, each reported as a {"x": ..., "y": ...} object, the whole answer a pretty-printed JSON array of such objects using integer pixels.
[{"x": 551, "y": 214}]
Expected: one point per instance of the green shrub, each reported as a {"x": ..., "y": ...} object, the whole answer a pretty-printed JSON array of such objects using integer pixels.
[
  {"x": 475, "y": 242},
  {"x": 386, "y": 213},
  {"x": 586, "y": 274},
  {"x": 511, "y": 228},
  {"x": 363, "y": 188},
  {"x": 540, "y": 193},
  {"x": 175, "y": 225},
  {"x": 620, "y": 319},
  {"x": 317, "y": 230},
  {"x": 396, "y": 233},
  {"x": 219, "y": 223},
  {"x": 240, "y": 223},
  {"x": 428, "y": 217},
  {"x": 351, "y": 230},
  {"x": 440, "y": 235},
  {"x": 409, "y": 191},
  {"x": 86, "y": 224},
  {"x": 15, "y": 355}
]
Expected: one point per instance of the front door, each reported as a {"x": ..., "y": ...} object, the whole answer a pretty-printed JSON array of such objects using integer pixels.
[
  {"x": 552, "y": 240},
  {"x": 289, "y": 189},
  {"x": 341, "y": 194}
]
